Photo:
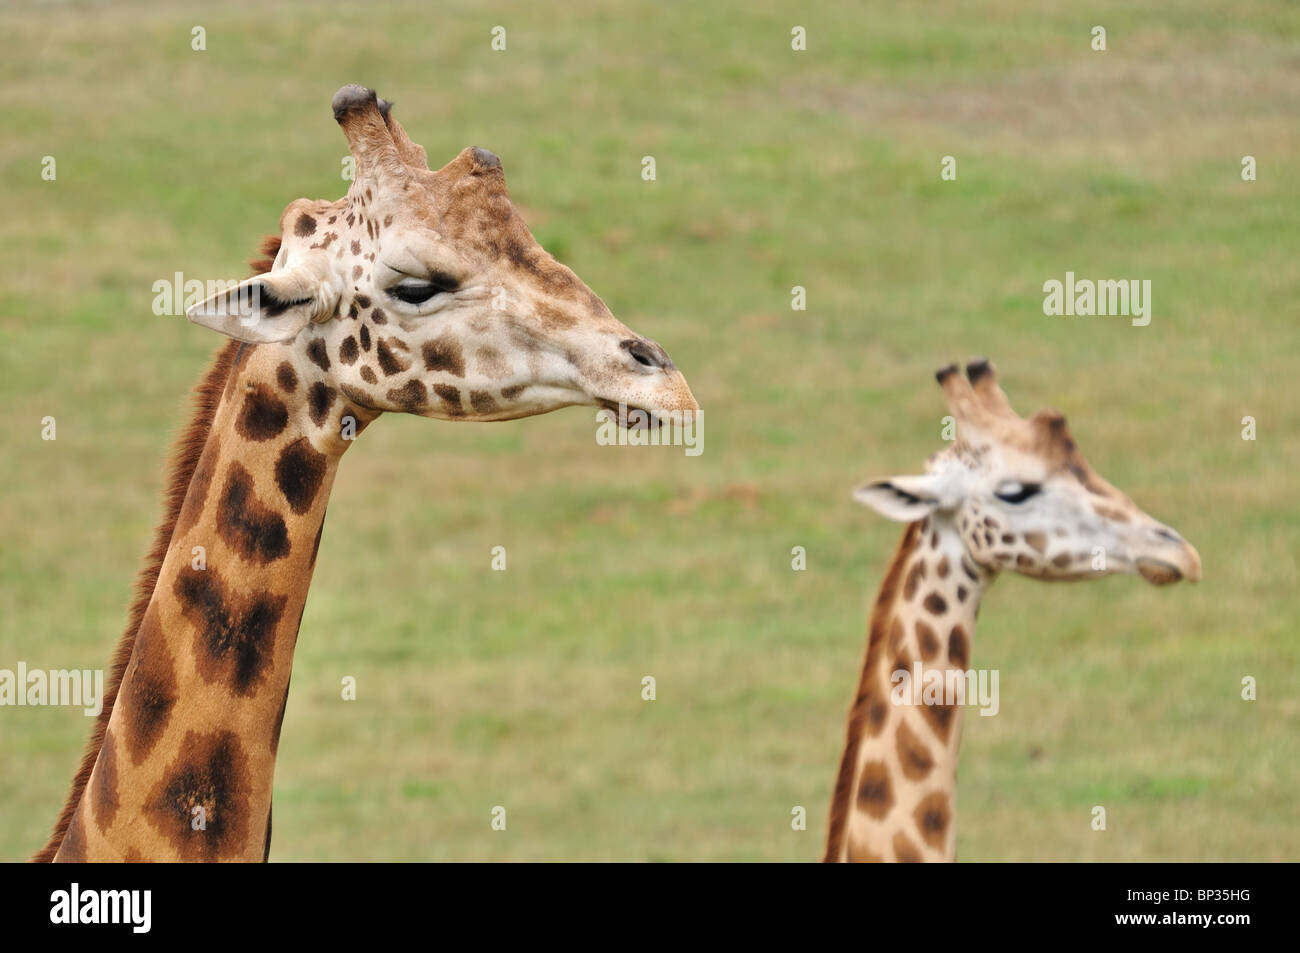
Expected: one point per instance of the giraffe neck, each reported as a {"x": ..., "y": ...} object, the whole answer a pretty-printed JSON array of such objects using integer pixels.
[
  {"x": 895, "y": 795},
  {"x": 186, "y": 764}
]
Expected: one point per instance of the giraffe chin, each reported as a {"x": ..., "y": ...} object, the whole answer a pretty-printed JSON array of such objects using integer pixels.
[
  {"x": 631, "y": 417},
  {"x": 1157, "y": 572}
]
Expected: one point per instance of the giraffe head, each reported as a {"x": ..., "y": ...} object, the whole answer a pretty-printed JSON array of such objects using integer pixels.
[
  {"x": 425, "y": 292},
  {"x": 1022, "y": 497}
]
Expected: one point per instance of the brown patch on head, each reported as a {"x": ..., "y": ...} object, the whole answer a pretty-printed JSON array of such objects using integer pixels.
[
  {"x": 935, "y": 604},
  {"x": 1061, "y": 560},
  {"x": 348, "y": 349},
  {"x": 365, "y": 337},
  {"x": 941, "y": 570},
  {"x": 875, "y": 793},
  {"x": 491, "y": 364},
  {"x": 450, "y": 399},
  {"x": 905, "y": 852},
  {"x": 211, "y": 772},
  {"x": 932, "y": 816},
  {"x": 249, "y": 527},
  {"x": 482, "y": 402},
  {"x": 299, "y": 472},
  {"x": 1110, "y": 513},
  {"x": 357, "y": 396},
  {"x": 444, "y": 354},
  {"x": 389, "y": 362},
  {"x": 1037, "y": 541},
  {"x": 410, "y": 396},
  {"x": 262, "y": 415},
  {"x": 368, "y": 376},
  {"x": 306, "y": 225},
  {"x": 913, "y": 755},
  {"x": 510, "y": 393},
  {"x": 554, "y": 318}
]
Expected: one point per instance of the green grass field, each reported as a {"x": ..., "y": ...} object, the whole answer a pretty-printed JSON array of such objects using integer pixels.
[{"x": 775, "y": 168}]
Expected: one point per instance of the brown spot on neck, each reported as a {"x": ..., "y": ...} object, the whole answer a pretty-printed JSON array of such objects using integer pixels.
[
  {"x": 932, "y": 816},
  {"x": 875, "y": 794},
  {"x": 211, "y": 774},
  {"x": 252, "y": 529},
  {"x": 913, "y": 754},
  {"x": 299, "y": 472},
  {"x": 262, "y": 416}
]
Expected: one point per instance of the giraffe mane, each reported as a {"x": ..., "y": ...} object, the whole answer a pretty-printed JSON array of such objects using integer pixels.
[
  {"x": 842, "y": 796},
  {"x": 184, "y": 459}
]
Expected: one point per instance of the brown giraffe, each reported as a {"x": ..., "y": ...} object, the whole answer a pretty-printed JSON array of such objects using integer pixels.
[
  {"x": 1010, "y": 493},
  {"x": 421, "y": 292}
]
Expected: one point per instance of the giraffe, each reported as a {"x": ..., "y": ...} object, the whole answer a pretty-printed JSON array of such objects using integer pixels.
[
  {"x": 418, "y": 292},
  {"x": 1009, "y": 494}
]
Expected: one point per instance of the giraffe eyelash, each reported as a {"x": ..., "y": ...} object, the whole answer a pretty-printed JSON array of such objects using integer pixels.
[
  {"x": 418, "y": 292},
  {"x": 1017, "y": 492}
]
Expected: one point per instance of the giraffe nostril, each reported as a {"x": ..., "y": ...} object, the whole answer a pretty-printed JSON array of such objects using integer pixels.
[
  {"x": 647, "y": 353},
  {"x": 1168, "y": 534}
]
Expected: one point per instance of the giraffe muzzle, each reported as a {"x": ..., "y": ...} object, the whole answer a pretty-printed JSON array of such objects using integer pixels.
[{"x": 1176, "y": 560}]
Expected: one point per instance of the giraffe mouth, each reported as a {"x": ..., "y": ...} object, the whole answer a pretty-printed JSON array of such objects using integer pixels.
[
  {"x": 630, "y": 416},
  {"x": 1158, "y": 572}
]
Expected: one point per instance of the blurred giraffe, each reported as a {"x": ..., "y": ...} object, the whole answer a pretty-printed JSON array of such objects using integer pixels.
[{"x": 1009, "y": 494}]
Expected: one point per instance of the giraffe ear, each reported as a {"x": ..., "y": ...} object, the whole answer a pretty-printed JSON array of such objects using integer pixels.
[
  {"x": 902, "y": 498},
  {"x": 268, "y": 308}
]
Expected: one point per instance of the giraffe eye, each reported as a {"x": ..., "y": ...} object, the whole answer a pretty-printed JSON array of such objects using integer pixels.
[
  {"x": 414, "y": 291},
  {"x": 1017, "y": 492}
]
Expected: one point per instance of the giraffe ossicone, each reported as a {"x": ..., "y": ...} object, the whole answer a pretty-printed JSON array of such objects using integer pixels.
[
  {"x": 419, "y": 291},
  {"x": 1011, "y": 494}
]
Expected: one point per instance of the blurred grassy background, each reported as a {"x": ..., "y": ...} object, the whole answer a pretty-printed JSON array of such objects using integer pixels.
[{"x": 775, "y": 168}]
